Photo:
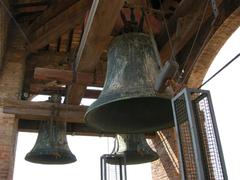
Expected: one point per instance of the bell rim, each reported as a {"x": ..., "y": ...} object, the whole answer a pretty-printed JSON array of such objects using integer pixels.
[
  {"x": 90, "y": 108},
  {"x": 35, "y": 157},
  {"x": 161, "y": 98},
  {"x": 140, "y": 159}
]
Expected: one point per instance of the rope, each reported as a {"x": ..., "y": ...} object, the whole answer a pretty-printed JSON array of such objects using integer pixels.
[
  {"x": 194, "y": 41},
  {"x": 153, "y": 42},
  {"x": 168, "y": 34},
  {"x": 226, "y": 65}
]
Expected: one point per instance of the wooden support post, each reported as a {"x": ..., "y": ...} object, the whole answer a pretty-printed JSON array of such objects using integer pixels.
[{"x": 94, "y": 41}]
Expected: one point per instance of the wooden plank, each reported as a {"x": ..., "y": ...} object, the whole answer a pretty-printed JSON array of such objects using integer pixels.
[
  {"x": 29, "y": 7},
  {"x": 4, "y": 23},
  {"x": 63, "y": 76},
  {"x": 43, "y": 110},
  {"x": 182, "y": 10},
  {"x": 40, "y": 88},
  {"x": 98, "y": 37},
  {"x": 187, "y": 27},
  {"x": 205, "y": 34},
  {"x": 72, "y": 128},
  {"x": 94, "y": 42},
  {"x": 49, "y": 27},
  {"x": 48, "y": 59}
]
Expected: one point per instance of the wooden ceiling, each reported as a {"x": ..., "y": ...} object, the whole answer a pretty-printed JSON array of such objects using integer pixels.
[{"x": 67, "y": 40}]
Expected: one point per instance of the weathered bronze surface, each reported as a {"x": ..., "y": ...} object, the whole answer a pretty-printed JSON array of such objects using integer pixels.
[
  {"x": 51, "y": 146},
  {"x": 128, "y": 102},
  {"x": 135, "y": 149}
]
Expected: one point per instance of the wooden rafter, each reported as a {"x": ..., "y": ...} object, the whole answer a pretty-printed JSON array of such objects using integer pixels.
[
  {"x": 95, "y": 41},
  {"x": 187, "y": 27},
  {"x": 40, "y": 88},
  {"x": 49, "y": 26},
  {"x": 64, "y": 76},
  {"x": 182, "y": 10},
  {"x": 207, "y": 30},
  {"x": 4, "y": 23}
]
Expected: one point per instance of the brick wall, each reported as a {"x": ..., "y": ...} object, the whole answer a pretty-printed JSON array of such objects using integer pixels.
[
  {"x": 10, "y": 87},
  {"x": 167, "y": 167}
]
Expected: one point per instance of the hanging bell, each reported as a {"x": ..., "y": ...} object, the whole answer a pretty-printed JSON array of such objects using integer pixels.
[
  {"x": 128, "y": 102},
  {"x": 134, "y": 147},
  {"x": 51, "y": 146}
]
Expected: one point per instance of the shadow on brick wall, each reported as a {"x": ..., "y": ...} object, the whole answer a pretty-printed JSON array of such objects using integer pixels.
[{"x": 167, "y": 166}]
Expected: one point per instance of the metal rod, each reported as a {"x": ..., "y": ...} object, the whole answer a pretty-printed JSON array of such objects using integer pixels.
[
  {"x": 194, "y": 135},
  {"x": 85, "y": 33},
  {"x": 217, "y": 137},
  {"x": 179, "y": 142},
  {"x": 120, "y": 169},
  {"x": 219, "y": 70}
]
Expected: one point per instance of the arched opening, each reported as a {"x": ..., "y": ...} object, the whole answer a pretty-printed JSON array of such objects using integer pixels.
[
  {"x": 211, "y": 49},
  {"x": 225, "y": 89}
]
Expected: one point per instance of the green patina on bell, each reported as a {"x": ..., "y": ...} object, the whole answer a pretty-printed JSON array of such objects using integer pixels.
[
  {"x": 134, "y": 147},
  {"x": 128, "y": 102},
  {"x": 51, "y": 146}
]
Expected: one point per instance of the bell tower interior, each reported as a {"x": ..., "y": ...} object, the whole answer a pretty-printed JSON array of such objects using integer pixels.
[{"x": 131, "y": 56}]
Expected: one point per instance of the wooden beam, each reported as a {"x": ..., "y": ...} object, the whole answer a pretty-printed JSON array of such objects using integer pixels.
[
  {"x": 187, "y": 27},
  {"x": 72, "y": 128},
  {"x": 40, "y": 88},
  {"x": 29, "y": 4},
  {"x": 206, "y": 32},
  {"x": 94, "y": 41},
  {"x": 4, "y": 23},
  {"x": 48, "y": 59},
  {"x": 91, "y": 94},
  {"x": 43, "y": 110},
  {"x": 43, "y": 59},
  {"x": 182, "y": 10},
  {"x": 63, "y": 76},
  {"x": 29, "y": 7},
  {"x": 52, "y": 23}
]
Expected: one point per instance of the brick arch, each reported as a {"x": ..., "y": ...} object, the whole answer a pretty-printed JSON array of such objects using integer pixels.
[{"x": 213, "y": 46}]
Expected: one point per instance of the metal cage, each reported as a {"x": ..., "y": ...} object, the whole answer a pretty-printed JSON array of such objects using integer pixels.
[
  {"x": 200, "y": 152},
  {"x": 116, "y": 171}
]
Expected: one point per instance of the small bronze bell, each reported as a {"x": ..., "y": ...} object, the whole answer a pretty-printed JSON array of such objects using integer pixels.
[
  {"x": 135, "y": 149},
  {"x": 51, "y": 146},
  {"x": 128, "y": 102}
]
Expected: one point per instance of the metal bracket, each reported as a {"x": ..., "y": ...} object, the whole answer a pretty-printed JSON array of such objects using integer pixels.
[{"x": 214, "y": 8}]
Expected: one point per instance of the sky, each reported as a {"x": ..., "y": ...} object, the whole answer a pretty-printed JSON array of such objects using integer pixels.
[
  {"x": 87, "y": 150},
  {"x": 224, "y": 89}
]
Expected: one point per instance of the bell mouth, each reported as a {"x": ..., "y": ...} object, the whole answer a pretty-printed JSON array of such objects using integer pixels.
[
  {"x": 133, "y": 115},
  {"x": 50, "y": 157},
  {"x": 134, "y": 157}
]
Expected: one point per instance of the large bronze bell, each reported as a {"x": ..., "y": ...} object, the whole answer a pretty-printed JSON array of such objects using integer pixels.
[
  {"x": 135, "y": 149},
  {"x": 128, "y": 102},
  {"x": 51, "y": 146}
]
